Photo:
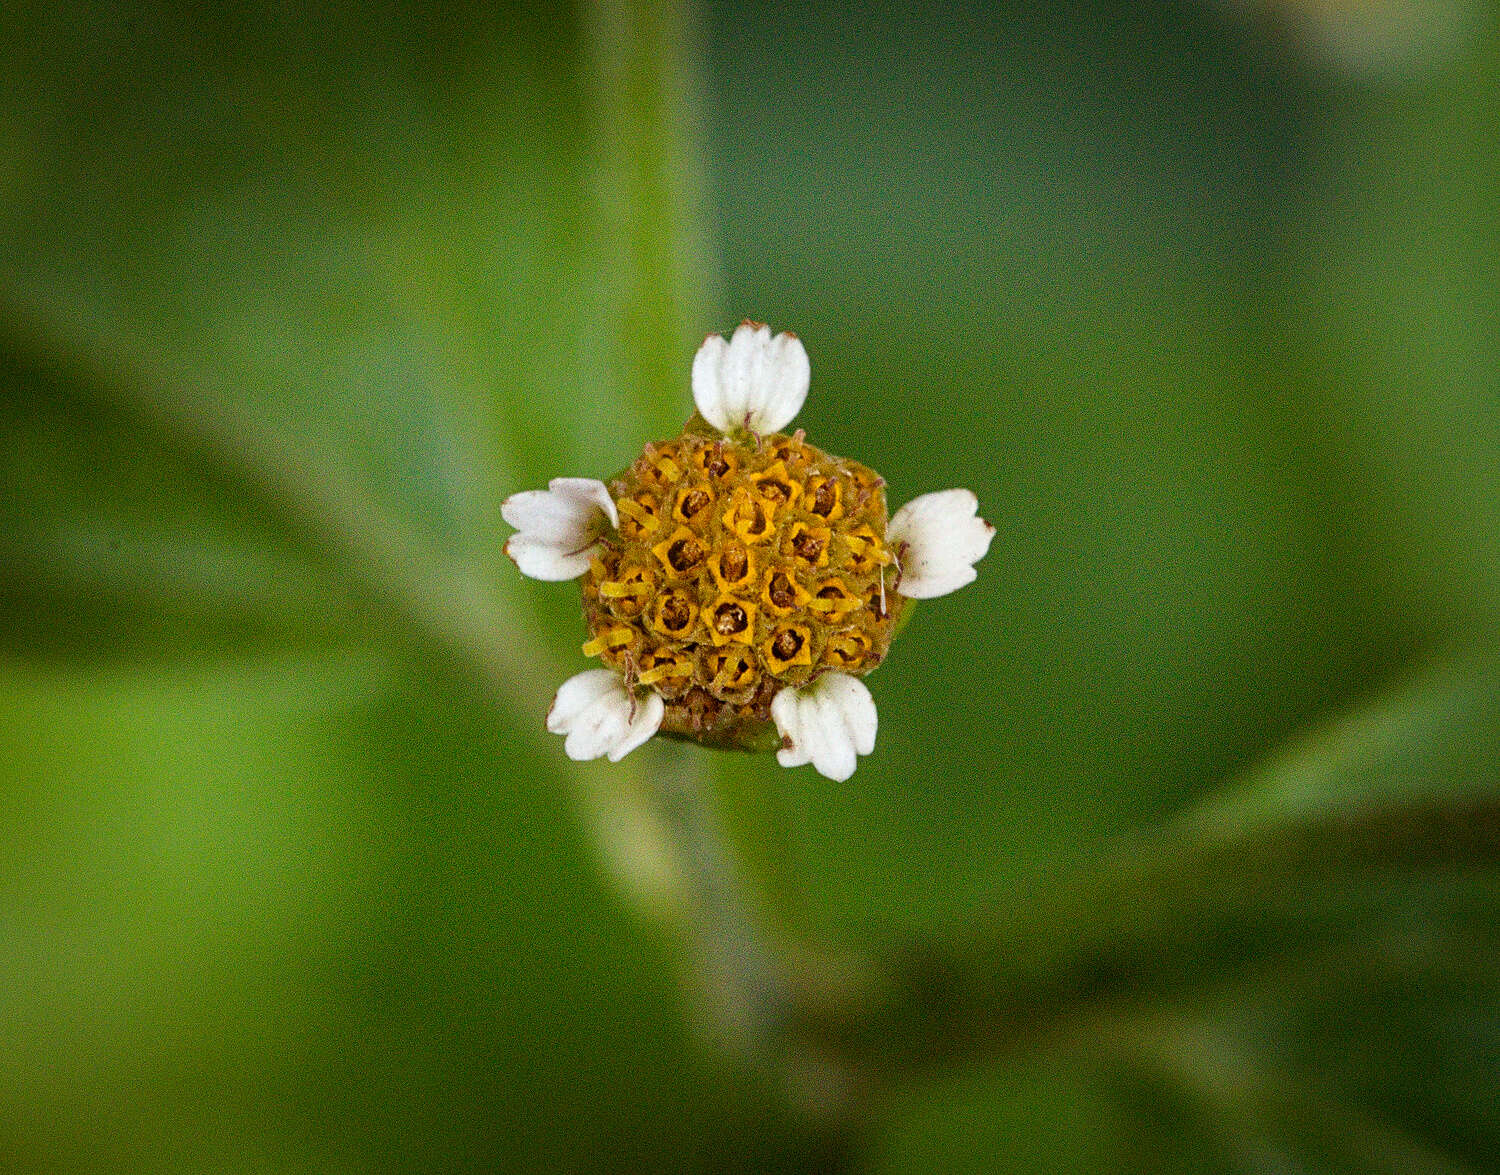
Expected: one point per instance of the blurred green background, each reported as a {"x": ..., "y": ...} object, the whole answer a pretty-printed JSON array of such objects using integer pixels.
[{"x": 1180, "y": 849}]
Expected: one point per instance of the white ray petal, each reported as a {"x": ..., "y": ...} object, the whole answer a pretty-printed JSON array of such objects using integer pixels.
[
  {"x": 828, "y": 723},
  {"x": 855, "y": 708},
  {"x": 649, "y": 711},
  {"x": 541, "y": 559},
  {"x": 556, "y": 528},
  {"x": 786, "y": 711},
  {"x": 787, "y": 715},
  {"x": 939, "y": 537},
  {"x": 599, "y": 716},
  {"x": 756, "y": 380}
]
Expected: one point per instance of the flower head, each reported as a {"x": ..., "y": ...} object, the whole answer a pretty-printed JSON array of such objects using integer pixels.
[{"x": 737, "y": 581}]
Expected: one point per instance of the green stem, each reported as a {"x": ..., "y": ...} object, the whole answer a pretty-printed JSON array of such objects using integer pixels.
[{"x": 648, "y": 192}]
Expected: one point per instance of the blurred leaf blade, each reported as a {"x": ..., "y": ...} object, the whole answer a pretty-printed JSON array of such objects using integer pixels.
[
  {"x": 422, "y": 283},
  {"x": 317, "y": 502},
  {"x": 1395, "y": 809},
  {"x": 308, "y": 295},
  {"x": 1256, "y": 1109},
  {"x": 229, "y": 921},
  {"x": 1301, "y": 970},
  {"x": 115, "y": 540}
]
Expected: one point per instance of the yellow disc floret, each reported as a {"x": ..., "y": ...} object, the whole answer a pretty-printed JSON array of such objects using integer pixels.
[{"x": 740, "y": 567}]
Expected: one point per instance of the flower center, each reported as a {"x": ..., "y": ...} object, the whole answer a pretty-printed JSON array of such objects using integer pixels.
[{"x": 740, "y": 568}]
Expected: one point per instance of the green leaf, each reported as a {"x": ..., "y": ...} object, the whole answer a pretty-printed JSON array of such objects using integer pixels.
[
  {"x": 413, "y": 260},
  {"x": 318, "y": 909},
  {"x": 1249, "y": 1110},
  {"x": 115, "y": 541},
  {"x": 289, "y": 303},
  {"x": 1328, "y": 848}
]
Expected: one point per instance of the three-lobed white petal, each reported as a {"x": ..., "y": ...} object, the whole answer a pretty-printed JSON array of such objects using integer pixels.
[
  {"x": 828, "y": 724},
  {"x": 600, "y": 716},
  {"x": 755, "y": 380},
  {"x": 557, "y": 527},
  {"x": 938, "y": 537}
]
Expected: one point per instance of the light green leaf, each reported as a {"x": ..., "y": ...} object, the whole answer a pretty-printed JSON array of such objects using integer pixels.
[{"x": 416, "y": 261}]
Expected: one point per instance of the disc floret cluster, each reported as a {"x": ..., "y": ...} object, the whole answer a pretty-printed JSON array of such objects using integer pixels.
[
  {"x": 737, "y": 581},
  {"x": 739, "y": 568}
]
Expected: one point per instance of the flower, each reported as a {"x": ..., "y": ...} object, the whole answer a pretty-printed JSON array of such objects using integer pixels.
[{"x": 737, "y": 581}]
